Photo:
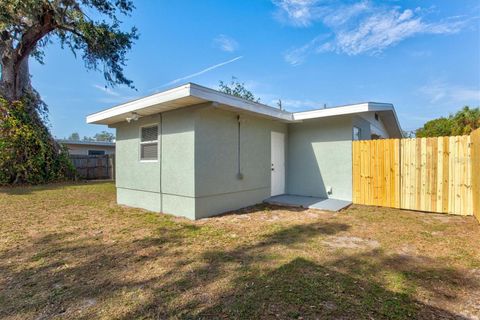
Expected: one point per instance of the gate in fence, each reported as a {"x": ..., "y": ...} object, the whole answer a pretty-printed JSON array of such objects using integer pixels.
[
  {"x": 428, "y": 174},
  {"x": 94, "y": 167}
]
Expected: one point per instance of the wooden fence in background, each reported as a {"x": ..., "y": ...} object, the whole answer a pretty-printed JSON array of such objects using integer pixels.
[
  {"x": 94, "y": 167},
  {"x": 426, "y": 174}
]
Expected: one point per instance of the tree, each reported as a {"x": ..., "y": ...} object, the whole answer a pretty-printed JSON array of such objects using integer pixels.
[
  {"x": 461, "y": 123},
  {"x": 74, "y": 137},
  {"x": 465, "y": 121},
  {"x": 89, "y": 28},
  {"x": 435, "y": 128},
  {"x": 237, "y": 89},
  {"x": 104, "y": 136}
]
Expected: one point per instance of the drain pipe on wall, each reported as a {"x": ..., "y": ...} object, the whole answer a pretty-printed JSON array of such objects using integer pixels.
[
  {"x": 239, "y": 169},
  {"x": 160, "y": 160}
]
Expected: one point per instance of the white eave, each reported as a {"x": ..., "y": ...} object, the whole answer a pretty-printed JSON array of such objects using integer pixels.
[
  {"x": 182, "y": 96},
  {"x": 385, "y": 110},
  {"x": 192, "y": 94}
]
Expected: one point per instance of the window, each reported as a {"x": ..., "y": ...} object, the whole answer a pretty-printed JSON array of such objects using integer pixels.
[
  {"x": 96, "y": 152},
  {"x": 357, "y": 133},
  {"x": 149, "y": 143}
]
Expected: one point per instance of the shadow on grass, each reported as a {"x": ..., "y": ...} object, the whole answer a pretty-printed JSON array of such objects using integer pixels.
[
  {"x": 70, "y": 276},
  {"x": 29, "y": 189}
]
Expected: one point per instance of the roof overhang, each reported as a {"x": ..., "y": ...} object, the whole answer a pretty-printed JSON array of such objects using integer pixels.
[
  {"x": 385, "y": 110},
  {"x": 183, "y": 96},
  {"x": 192, "y": 94}
]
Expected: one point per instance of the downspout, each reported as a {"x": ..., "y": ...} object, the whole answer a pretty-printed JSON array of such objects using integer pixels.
[
  {"x": 160, "y": 161},
  {"x": 239, "y": 169}
]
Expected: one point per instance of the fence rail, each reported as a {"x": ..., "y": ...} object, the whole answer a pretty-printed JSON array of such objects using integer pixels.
[
  {"x": 426, "y": 174},
  {"x": 94, "y": 167}
]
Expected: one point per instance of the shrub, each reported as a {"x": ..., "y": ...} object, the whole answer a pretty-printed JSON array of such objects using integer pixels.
[{"x": 28, "y": 153}]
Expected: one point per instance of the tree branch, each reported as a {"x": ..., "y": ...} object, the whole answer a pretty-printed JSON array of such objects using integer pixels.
[{"x": 30, "y": 38}]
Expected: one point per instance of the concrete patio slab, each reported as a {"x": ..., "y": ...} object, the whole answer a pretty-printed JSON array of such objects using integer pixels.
[{"x": 308, "y": 202}]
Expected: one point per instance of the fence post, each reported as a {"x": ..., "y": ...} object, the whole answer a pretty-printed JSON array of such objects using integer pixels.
[{"x": 475, "y": 172}]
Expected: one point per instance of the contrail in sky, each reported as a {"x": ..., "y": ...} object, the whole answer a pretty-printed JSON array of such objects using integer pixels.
[{"x": 201, "y": 72}]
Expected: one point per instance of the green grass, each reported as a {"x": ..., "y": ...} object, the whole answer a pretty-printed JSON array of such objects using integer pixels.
[{"x": 69, "y": 252}]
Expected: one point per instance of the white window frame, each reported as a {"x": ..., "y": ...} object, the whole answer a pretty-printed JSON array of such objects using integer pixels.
[
  {"x": 359, "y": 133},
  {"x": 148, "y": 142}
]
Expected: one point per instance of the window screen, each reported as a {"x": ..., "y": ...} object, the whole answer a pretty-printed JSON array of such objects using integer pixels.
[
  {"x": 150, "y": 133},
  {"x": 149, "y": 143},
  {"x": 357, "y": 133},
  {"x": 96, "y": 152}
]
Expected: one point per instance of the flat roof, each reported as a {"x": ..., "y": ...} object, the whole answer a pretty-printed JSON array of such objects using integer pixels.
[
  {"x": 182, "y": 96},
  {"x": 191, "y": 94},
  {"x": 87, "y": 143}
]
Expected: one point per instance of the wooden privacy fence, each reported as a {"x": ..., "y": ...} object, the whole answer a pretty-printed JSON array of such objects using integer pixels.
[
  {"x": 428, "y": 174},
  {"x": 94, "y": 167}
]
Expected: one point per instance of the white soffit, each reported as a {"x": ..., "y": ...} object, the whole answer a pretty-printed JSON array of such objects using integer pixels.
[
  {"x": 191, "y": 94},
  {"x": 182, "y": 96},
  {"x": 385, "y": 109}
]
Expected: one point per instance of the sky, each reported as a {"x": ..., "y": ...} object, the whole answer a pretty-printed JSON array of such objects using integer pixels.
[{"x": 422, "y": 56}]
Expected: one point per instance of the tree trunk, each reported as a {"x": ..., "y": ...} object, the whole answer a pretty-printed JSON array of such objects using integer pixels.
[{"x": 15, "y": 80}]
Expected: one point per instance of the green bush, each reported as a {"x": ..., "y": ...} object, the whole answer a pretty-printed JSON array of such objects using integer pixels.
[{"x": 28, "y": 153}]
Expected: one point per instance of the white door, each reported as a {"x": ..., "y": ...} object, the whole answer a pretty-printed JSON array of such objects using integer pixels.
[{"x": 278, "y": 163}]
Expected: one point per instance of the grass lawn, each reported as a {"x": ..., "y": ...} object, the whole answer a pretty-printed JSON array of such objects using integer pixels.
[{"x": 69, "y": 252}]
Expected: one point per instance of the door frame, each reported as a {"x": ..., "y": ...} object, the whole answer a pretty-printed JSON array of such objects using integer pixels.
[{"x": 277, "y": 183}]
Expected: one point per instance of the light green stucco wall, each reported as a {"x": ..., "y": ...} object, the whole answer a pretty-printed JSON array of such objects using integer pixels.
[
  {"x": 166, "y": 185},
  {"x": 320, "y": 156},
  {"x": 196, "y": 174},
  {"x": 138, "y": 183},
  {"x": 217, "y": 187}
]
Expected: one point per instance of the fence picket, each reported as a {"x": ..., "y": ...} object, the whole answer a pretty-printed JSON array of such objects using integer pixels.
[{"x": 427, "y": 174}]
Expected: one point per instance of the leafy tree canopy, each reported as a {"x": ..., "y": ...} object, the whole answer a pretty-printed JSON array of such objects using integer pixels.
[
  {"x": 74, "y": 137},
  {"x": 103, "y": 136},
  {"x": 90, "y": 29},
  {"x": 237, "y": 89},
  {"x": 461, "y": 123}
]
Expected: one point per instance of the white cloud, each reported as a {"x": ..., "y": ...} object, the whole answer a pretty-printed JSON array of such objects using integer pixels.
[
  {"x": 298, "y": 12},
  {"x": 359, "y": 28},
  {"x": 440, "y": 91},
  {"x": 218, "y": 65},
  {"x": 226, "y": 43},
  {"x": 297, "y": 56}
]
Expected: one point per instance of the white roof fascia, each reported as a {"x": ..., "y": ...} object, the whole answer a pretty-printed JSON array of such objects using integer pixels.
[
  {"x": 190, "y": 90},
  {"x": 350, "y": 109},
  {"x": 245, "y": 105},
  {"x": 135, "y": 105},
  {"x": 337, "y": 111}
]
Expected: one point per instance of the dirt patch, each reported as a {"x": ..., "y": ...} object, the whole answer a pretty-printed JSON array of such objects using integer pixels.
[{"x": 351, "y": 242}]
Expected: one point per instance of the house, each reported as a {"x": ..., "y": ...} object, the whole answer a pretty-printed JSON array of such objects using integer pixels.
[
  {"x": 91, "y": 148},
  {"x": 196, "y": 152}
]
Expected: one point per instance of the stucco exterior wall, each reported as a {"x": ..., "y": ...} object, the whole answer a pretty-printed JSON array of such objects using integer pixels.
[
  {"x": 165, "y": 185},
  {"x": 196, "y": 174},
  {"x": 320, "y": 156},
  {"x": 217, "y": 185},
  {"x": 376, "y": 126},
  {"x": 177, "y": 163}
]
